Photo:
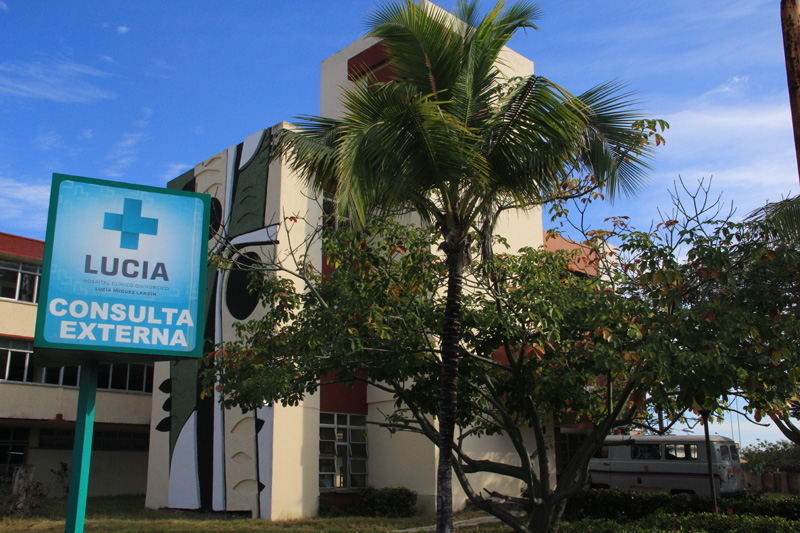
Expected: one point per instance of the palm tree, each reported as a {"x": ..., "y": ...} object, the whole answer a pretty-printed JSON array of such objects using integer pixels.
[
  {"x": 452, "y": 140},
  {"x": 790, "y": 25},
  {"x": 783, "y": 216}
]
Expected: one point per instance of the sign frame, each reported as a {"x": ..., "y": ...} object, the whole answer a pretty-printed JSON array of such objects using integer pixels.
[{"x": 50, "y": 353}]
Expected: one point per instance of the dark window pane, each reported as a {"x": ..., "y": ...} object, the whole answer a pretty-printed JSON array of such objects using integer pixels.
[
  {"x": 358, "y": 450},
  {"x": 8, "y": 284},
  {"x": 326, "y": 418},
  {"x": 103, "y": 376},
  {"x": 358, "y": 481},
  {"x": 148, "y": 380},
  {"x": 327, "y": 434},
  {"x": 70, "y": 376},
  {"x": 52, "y": 375},
  {"x": 358, "y": 420},
  {"x": 327, "y": 466},
  {"x": 358, "y": 435},
  {"x": 136, "y": 379},
  {"x": 3, "y": 363},
  {"x": 16, "y": 367},
  {"x": 358, "y": 467},
  {"x": 119, "y": 376},
  {"x": 327, "y": 448},
  {"x": 56, "y": 439}
]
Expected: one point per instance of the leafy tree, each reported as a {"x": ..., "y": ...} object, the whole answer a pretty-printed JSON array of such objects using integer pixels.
[
  {"x": 772, "y": 456},
  {"x": 539, "y": 340},
  {"x": 455, "y": 141}
]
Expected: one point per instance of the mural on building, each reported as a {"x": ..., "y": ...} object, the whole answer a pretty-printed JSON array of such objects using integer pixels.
[{"x": 221, "y": 459}]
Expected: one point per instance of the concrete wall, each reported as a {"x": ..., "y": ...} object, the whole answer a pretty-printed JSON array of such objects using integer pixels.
[
  {"x": 33, "y": 401},
  {"x": 401, "y": 458},
  {"x": 783, "y": 482},
  {"x": 18, "y": 318},
  {"x": 295, "y": 459}
]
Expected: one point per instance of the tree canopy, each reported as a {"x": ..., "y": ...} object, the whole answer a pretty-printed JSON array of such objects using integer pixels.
[{"x": 541, "y": 341}]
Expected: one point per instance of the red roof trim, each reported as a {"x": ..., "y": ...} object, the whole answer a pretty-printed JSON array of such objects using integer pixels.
[
  {"x": 21, "y": 246},
  {"x": 374, "y": 59}
]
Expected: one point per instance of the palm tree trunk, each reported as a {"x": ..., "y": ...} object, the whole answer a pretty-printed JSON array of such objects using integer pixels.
[
  {"x": 448, "y": 398},
  {"x": 790, "y": 22}
]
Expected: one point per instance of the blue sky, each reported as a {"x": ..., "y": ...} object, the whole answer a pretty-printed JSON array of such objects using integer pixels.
[{"x": 142, "y": 91}]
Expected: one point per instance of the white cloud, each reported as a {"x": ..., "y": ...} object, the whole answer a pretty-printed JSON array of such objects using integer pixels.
[
  {"x": 87, "y": 134},
  {"x": 747, "y": 147},
  {"x": 3, "y": 6},
  {"x": 733, "y": 87},
  {"x": 123, "y": 30},
  {"x": 48, "y": 141},
  {"x": 743, "y": 145},
  {"x": 123, "y": 155},
  {"x": 174, "y": 170},
  {"x": 65, "y": 82},
  {"x": 24, "y": 204},
  {"x": 107, "y": 59}
]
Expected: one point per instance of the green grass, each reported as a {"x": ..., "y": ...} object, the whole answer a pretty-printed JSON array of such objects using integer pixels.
[{"x": 121, "y": 514}]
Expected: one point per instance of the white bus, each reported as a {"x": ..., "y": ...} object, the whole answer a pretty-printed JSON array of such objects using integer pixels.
[{"x": 672, "y": 463}]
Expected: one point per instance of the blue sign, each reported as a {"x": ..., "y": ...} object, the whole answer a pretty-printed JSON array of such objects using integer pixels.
[{"x": 124, "y": 269}]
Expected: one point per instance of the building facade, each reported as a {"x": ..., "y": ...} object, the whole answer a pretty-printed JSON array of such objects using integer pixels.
[{"x": 38, "y": 405}]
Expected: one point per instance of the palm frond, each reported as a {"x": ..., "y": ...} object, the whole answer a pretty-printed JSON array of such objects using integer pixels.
[{"x": 783, "y": 215}]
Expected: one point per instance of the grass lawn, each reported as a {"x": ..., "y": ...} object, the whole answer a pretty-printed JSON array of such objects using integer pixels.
[{"x": 127, "y": 514}]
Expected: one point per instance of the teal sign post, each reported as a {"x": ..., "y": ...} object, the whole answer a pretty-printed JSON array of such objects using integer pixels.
[{"x": 123, "y": 280}]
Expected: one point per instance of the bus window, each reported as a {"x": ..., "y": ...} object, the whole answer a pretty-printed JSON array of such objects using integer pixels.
[
  {"x": 646, "y": 451},
  {"x": 680, "y": 452},
  {"x": 601, "y": 453},
  {"x": 734, "y": 453},
  {"x": 724, "y": 453}
]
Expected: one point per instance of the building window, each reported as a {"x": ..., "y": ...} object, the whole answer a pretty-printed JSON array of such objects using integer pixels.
[
  {"x": 342, "y": 451},
  {"x": 13, "y": 448},
  {"x": 16, "y": 365},
  {"x": 20, "y": 281},
  {"x": 15, "y": 360},
  {"x": 125, "y": 376}
]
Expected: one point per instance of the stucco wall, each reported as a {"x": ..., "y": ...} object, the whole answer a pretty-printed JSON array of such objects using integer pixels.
[
  {"x": 401, "y": 458},
  {"x": 32, "y": 401},
  {"x": 18, "y": 318}
]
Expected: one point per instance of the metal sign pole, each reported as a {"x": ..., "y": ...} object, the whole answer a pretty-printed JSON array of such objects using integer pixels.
[{"x": 82, "y": 451}]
